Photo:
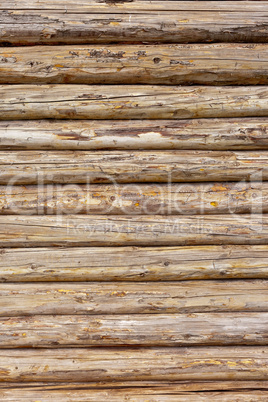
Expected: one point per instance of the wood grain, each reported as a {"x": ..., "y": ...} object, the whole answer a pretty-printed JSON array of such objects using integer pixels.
[
  {"x": 109, "y": 364},
  {"x": 148, "y": 330},
  {"x": 63, "y": 101},
  {"x": 203, "y": 134},
  {"x": 217, "y": 64},
  {"x": 133, "y": 264},
  {"x": 133, "y": 298},
  {"x": 132, "y": 394},
  {"x": 147, "y": 230},
  {"x": 143, "y": 199},
  {"x": 38, "y": 22},
  {"x": 91, "y": 167}
]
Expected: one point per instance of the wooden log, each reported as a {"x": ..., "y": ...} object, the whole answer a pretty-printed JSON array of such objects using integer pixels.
[
  {"x": 134, "y": 6},
  {"x": 110, "y": 364},
  {"x": 148, "y": 330},
  {"x": 138, "y": 395},
  {"x": 173, "y": 199},
  {"x": 138, "y": 64},
  {"x": 37, "y": 22},
  {"x": 80, "y": 167},
  {"x": 206, "y": 134},
  {"x": 133, "y": 298},
  {"x": 133, "y": 264},
  {"x": 132, "y": 394},
  {"x": 149, "y": 387},
  {"x": 62, "y": 101},
  {"x": 153, "y": 230}
]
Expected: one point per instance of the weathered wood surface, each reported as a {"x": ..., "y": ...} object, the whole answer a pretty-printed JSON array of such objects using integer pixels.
[
  {"x": 59, "y": 167},
  {"x": 209, "y": 134},
  {"x": 149, "y": 387},
  {"x": 131, "y": 6},
  {"x": 127, "y": 364},
  {"x": 133, "y": 264},
  {"x": 182, "y": 22},
  {"x": 132, "y": 230},
  {"x": 217, "y": 64},
  {"x": 130, "y": 101},
  {"x": 132, "y": 394},
  {"x": 133, "y": 199},
  {"x": 148, "y": 330},
  {"x": 133, "y": 298}
]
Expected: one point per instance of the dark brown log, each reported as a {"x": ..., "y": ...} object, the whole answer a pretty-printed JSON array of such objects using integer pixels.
[
  {"x": 30, "y": 102},
  {"x": 133, "y": 298},
  {"x": 206, "y": 134},
  {"x": 110, "y": 364},
  {"x": 217, "y": 64},
  {"x": 148, "y": 330},
  {"x": 133, "y": 264},
  {"x": 51, "y": 22}
]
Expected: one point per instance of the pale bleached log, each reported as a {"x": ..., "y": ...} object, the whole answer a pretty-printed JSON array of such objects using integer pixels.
[
  {"x": 133, "y": 298},
  {"x": 133, "y": 199},
  {"x": 170, "y": 21},
  {"x": 133, "y": 6},
  {"x": 110, "y": 364},
  {"x": 209, "y": 134},
  {"x": 80, "y": 167},
  {"x": 132, "y": 230},
  {"x": 133, "y": 264},
  {"x": 46, "y": 331},
  {"x": 138, "y": 64},
  {"x": 62, "y": 101},
  {"x": 133, "y": 395}
]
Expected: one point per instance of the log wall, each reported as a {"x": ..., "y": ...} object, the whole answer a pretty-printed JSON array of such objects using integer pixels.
[{"x": 133, "y": 200}]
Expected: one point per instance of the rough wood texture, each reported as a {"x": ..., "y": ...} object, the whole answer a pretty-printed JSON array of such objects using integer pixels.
[
  {"x": 208, "y": 134},
  {"x": 133, "y": 263},
  {"x": 133, "y": 298},
  {"x": 132, "y": 394},
  {"x": 150, "y": 387},
  {"x": 148, "y": 330},
  {"x": 130, "y": 102},
  {"x": 129, "y": 6},
  {"x": 217, "y": 64},
  {"x": 110, "y": 364},
  {"x": 102, "y": 22},
  {"x": 44, "y": 167},
  {"x": 173, "y": 199},
  {"x": 153, "y": 230}
]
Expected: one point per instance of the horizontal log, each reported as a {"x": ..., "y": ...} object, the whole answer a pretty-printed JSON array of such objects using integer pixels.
[
  {"x": 133, "y": 6},
  {"x": 208, "y": 134},
  {"x": 133, "y": 394},
  {"x": 110, "y": 364},
  {"x": 172, "y": 199},
  {"x": 133, "y": 298},
  {"x": 132, "y": 264},
  {"x": 148, "y": 330},
  {"x": 62, "y": 101},
  {"x": 54, "y": 23},
  {"x": 217, "y": 64},
  {"x": 132, "y": 230},
  {"x": 80, "y": 167},
  {"x": 149, "y": 387}
]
